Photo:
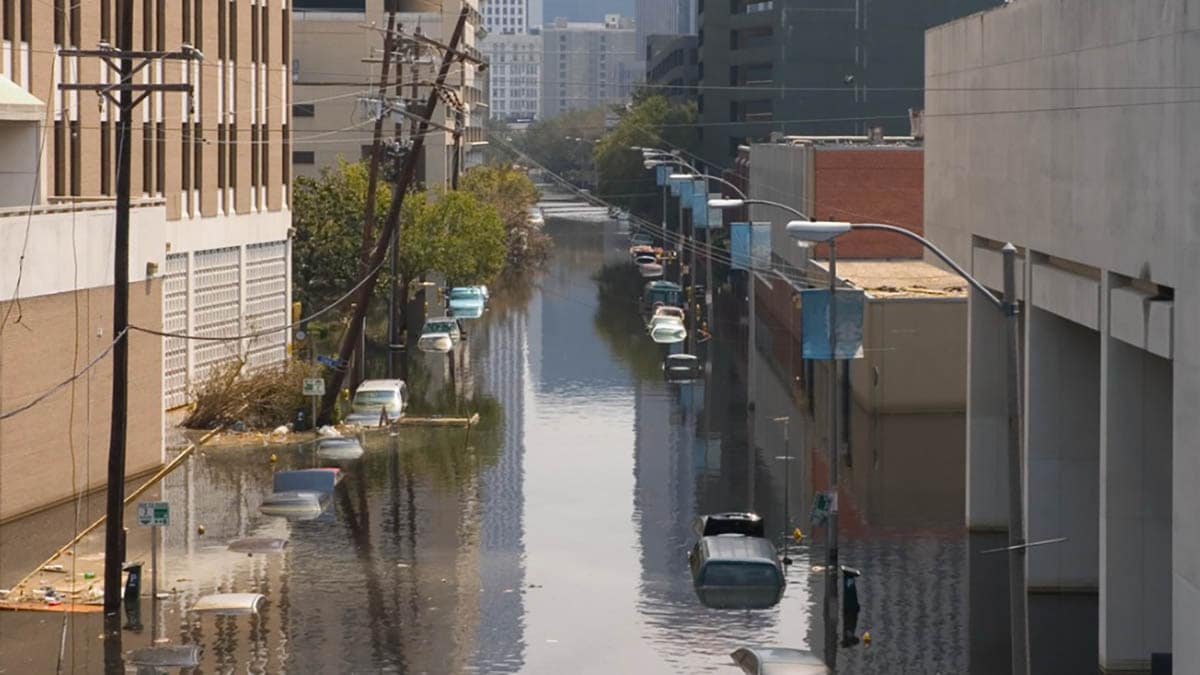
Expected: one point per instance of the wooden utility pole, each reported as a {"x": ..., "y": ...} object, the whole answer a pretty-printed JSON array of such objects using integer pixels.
[
  {"x": 122, "y": 61},
  {"x": 407, "y": 163},
  {"x": 368, "y": 228}
]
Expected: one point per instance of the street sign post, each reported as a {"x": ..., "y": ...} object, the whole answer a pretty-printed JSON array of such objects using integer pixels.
[{"x": 154, "y": 515}]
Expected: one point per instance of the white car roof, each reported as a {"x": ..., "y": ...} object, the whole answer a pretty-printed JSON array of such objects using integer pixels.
[{"x": 379, "y": 385}]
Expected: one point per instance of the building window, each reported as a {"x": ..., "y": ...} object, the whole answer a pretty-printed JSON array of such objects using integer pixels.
[{"x": 307, "y": 156}]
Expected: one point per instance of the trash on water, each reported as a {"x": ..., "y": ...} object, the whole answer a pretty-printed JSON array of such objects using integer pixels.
[
  {"x": 54, "y": 568},
  {"x": 229, "y": 603},
  {"x": 280, "y": 430},
  {"x": 328, "y": 432},
  {"x": 89, "y": 575}
]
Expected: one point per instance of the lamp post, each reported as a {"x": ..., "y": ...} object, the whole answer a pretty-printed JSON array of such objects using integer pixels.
[{"x": 806, "y": 231}]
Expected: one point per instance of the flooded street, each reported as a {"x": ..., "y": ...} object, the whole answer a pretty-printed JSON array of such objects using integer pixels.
[{"x": 553, "y": 537}]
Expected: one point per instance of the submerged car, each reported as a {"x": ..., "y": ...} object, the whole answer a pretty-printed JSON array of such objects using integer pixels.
[
  {"x": 467, "y": 302},
  {"x": 665, "y": 329},
  {"x": 735, "y": 571},
  {"x": 301, "y": 495},
  {"x": 682, "y": 368},
  {"x": 439, "y": 335},
  {"x": 650, "y": 269},
  {"x": 731, "y": 522},
  {"x": 340, "y": 449},
  {"x": 229, "y": 604},
  {"x": 657, "y": 293},
  {"x": 536, "y": 219},
  {"x": 778, "y": 661},
  {"x": 374, "y": 396}
]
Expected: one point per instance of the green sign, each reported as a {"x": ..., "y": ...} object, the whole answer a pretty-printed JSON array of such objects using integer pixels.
[{"x": 154, "y": 514}]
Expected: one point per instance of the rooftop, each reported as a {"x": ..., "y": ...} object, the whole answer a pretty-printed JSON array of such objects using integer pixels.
[{"x": 901, "y": 278}]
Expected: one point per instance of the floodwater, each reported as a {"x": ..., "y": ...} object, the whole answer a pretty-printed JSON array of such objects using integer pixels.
[{"x": 553, "y": 537}]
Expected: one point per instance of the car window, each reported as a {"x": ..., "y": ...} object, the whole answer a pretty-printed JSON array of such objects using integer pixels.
[
  {"x": 740, "y": 574},
  {"x": 373, "y": 399}
]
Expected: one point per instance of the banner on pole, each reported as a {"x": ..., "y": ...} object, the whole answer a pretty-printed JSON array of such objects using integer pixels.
[
  {"x": 760, "y": 244},
  {"x": 739, "y": 246},
  {"x": 814, "y": 323},
  {"x": 675, "y": 184},
  {"x": 661, "y": 173},
  {"x": 699, "y": 207},
  {"x": 716, "y": 217}
]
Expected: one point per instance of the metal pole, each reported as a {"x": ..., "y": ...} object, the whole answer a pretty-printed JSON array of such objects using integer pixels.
[
  {"x": 787, "y": 465},
  {"x": 664, "y": 217},
  {"x": 154, "y": 583},
  {"x": 1018, "y": 601},
  {"x": 312, "y": 352},
  {"x": 114, "y": 552},
  {"x": 832, "y": 618}
]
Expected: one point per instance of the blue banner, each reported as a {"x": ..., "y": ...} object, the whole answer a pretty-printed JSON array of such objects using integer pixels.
[
  {"x": 739, "y": 246},
  {"x": 676, "y": 184},
  {"x": 699, "y": 209},
  {"x": 760, "y": 244},
  {"x": 716, "y": 217},
  {"x": 661, "y": 173},
  {"x": 814, "y": 326},
  {"x": 685, "y": 193}
]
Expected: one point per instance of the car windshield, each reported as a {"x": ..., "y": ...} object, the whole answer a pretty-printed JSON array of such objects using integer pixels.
[
  {"x": 374, "y": 399},
  {"x": 740, "y": 574},
  {"x": 460, "y": 293},
  {"x": 439, "y": 327}
]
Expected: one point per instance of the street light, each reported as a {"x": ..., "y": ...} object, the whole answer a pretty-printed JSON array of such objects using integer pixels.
[{"x": 824, "y": 231}]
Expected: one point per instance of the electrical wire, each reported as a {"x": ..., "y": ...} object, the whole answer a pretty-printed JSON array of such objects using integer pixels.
[
  {"x": 270, "y": 331},
  {"x": 61, "y": 385}
]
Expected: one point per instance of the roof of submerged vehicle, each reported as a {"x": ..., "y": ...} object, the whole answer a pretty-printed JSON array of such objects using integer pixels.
[
  {"x": 379, "y": 385},
  {"x": 229, "y": 603},
  {"x": 778, "y": 660},
  {"x": 315, "y": 480}
]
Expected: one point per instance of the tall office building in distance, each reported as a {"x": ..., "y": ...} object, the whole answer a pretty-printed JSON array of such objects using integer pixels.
[
  {"x": 513, "y": 49},
  {"x": 587, "y": 64},
  {"x": 664, "y": 17}
]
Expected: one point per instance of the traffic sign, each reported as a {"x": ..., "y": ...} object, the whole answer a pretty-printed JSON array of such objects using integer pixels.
[
  {"x": 314, "y": 386},
  {"x": 154, "y": 514},
  {"x": 328, "y": 361}
]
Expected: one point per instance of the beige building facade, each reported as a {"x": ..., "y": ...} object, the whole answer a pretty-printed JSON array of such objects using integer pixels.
[
  {"x": 209, "y": 244},
  {"x": 336, "y": 72}
]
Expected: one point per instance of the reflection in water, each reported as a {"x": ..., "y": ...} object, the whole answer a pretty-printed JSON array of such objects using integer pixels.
[{"x": 554, "y": 537}]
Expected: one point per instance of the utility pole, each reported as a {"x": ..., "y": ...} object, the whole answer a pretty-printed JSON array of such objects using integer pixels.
[
  {"x": 456, "y": 158},
  {"x": 122, "y": 62},
  {"x": 394, "y": 328},
  {"x": 368, "y": 227},
  {"x": 832, "y": 571},
  {"x": 407, "y": 167}
]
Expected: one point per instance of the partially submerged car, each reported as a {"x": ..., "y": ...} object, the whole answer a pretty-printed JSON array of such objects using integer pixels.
[
  {"x": 682, "y": 368},
  {"x": 342, "y": 449},
  {"x": 735, "y": 571},
  {"x": 665, "y": 329},
  {"x": 778, "y": 661},
  {"x": 730, "y": 522},
  {"x": 375, "y": 396},
  {"x": 262, "y": 545},
  {"x": 467, "y": 302},
  {"x": 301, "y": 495},
  {"x": 439, "y": 335},
  {"x": 657, "y": 293},
  {"x": 650, "y": 269},
  {"x": 229, "y": 604}
]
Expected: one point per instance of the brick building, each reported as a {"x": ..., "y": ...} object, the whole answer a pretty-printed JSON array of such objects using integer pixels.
[{"x": 209, "y": 246}]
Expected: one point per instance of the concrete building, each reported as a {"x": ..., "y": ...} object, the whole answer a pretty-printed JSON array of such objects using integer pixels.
[
  {"x": 1095, "y": 183},
  {"x": 787, "y": 66},
  {"x": 333, "y": 118},
  {"x": 663, "y": 17},
  {"x": 849, "y": 178},
  {"x": 672, "y": 65},
  {"x": 588, "y": 64},
  {"x": 209, "y": 245},
  {"x": 514, "y": 74}
]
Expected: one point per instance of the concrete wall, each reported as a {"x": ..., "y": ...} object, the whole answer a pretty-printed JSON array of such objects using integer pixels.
[
  {"x": 1035, "y": 134},
  {"x": 65, "y": 438}
]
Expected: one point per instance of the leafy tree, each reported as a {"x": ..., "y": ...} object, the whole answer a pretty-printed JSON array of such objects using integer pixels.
[
  {"x": 454, "y": 233},
  {"x": 510, "y": 190},
  {"x": 327, "y": 213},
  {"x": 563, "y": 144},
  {"x": 651, "y": 121}
]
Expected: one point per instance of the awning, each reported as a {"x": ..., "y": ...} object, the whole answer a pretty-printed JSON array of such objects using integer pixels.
[{"x": 18, "y": 105}]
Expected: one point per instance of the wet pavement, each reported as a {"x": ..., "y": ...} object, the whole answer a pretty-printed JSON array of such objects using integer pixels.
[{"x": 553, "y": 537}]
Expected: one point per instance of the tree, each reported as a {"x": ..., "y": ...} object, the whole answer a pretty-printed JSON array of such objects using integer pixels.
[
  {"x": 327, "y": 213},
  {"x": 563, "y": 144},
  {"x": 651, "y": 121},
  {"x": 510, "y": 190}
]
